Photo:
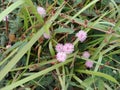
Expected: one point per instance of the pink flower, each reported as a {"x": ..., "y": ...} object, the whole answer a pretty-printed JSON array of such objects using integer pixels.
[
  {"x": 8, "y": 46},
  {"x": 59, "y": 47},
  {"x": 89, "y": 64},
  {"x": 82, "y": 35},
  {"x": 61, "y": 56},
  {"x": 41, "y": 11},
  {"x": 46, "y": 36},
  {"x": 86, "y": 54},
  {"x": 68, "y": 48}
]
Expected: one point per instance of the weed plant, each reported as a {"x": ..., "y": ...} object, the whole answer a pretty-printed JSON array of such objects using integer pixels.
[{"x": 59, "y": 44}]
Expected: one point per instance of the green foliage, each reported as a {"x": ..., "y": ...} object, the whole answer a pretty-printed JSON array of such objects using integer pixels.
[
  {"x": 30, "y": 63},
  {"x": 64, "y": 30}
]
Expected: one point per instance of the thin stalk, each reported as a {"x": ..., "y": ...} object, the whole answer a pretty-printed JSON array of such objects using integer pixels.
[
  {"x": 60, "y": 79},
  {"x": 83, "y": 9}
]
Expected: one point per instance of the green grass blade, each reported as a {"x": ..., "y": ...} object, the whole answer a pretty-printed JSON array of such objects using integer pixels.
[
  {"x": 108, "y": 77},
  {"x": 81, "y": 82},
  {"x": 83, "y": 9},
  {"x": 64, "y": 30},
  {"x": 102, "y": 45},
  {"x": 18, "y": 83},
  {"x": 11, "y": 8},
  {"x": 51, "y": 49},
  {"x": 99, "y": 61}
]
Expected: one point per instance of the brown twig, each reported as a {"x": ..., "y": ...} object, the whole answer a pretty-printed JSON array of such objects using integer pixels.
[{"x": 87, "y": 26}]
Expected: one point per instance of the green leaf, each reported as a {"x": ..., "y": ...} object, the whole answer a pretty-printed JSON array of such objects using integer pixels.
[
  {"x": 99, "y": 74},
  {"x": 51, "y": 49},
  {"x": 64, "y": 30},
  {"x": 60, "y": 1},
  {"x": 101, "y": 85}
]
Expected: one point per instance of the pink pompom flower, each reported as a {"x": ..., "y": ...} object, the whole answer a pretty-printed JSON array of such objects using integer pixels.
[
  {"x": 46, "y": 36},
  {"x": 68, "y": 48},
  {"x": 59, "y": 47},
  {"x": 61, "y": 56},
  {"x": 86, "y": 54},
  {"x": 81, "y": 35},
  {"x": 89, "y": 64},
  {"x": 41, "y": 11}
]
